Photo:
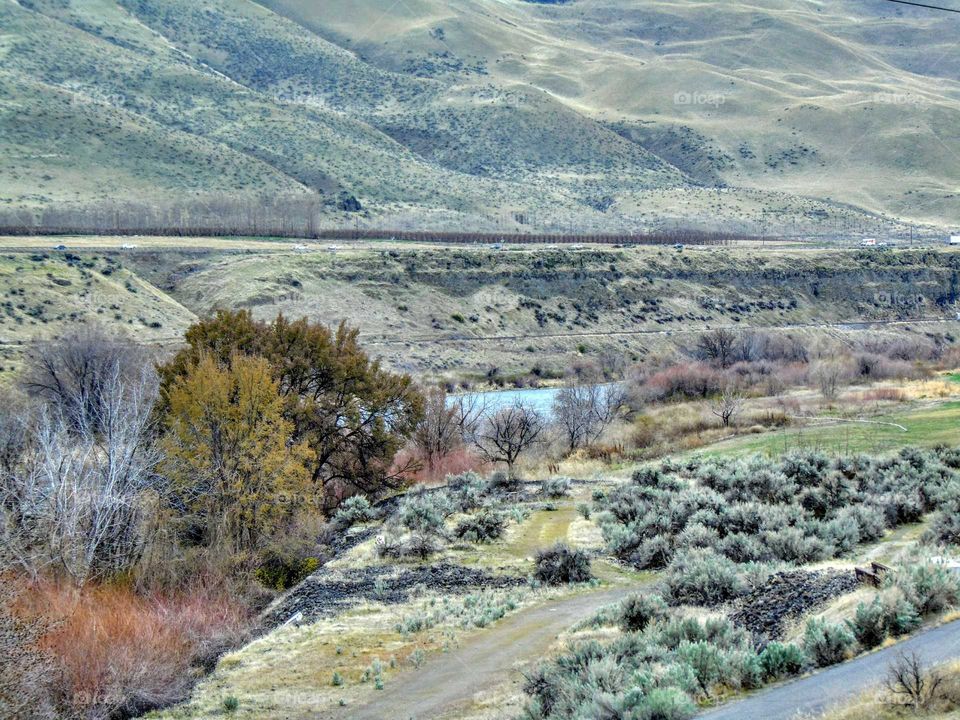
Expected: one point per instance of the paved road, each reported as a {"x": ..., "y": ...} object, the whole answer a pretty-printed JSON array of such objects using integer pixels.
[
  {"x": 449, "y": 680},
  {"x": 830, "y": 687}
]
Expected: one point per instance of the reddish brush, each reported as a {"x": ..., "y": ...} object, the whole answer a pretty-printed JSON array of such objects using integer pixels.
[
  {"x": 117, "y": 651},
  {"x": 458, "y": 461}
]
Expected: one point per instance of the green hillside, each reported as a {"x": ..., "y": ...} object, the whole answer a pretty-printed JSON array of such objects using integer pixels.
[{"x": 488, "y": 114}]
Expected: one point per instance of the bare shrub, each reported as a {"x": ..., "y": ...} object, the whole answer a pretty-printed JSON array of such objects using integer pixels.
[
  {"x": 26, "y": 673},
  {"x": 909, "y": 683},
  {"x": 438, "y": 433},
  {"x": 830, "y": 377},
  {"x": 76, "y": 504},
  {"x": 686, "y": 381},
  {"x": 728, "y": 405},
  {"x": 116, "y": 653}
]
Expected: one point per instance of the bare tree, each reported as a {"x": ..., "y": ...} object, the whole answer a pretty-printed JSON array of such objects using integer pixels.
[
  {"x": 718, "y": 346},
  {"x": 830, "y": 377},
  {"x": 71, "y": 373},
  {"x": 438, "y": 433},
  {"x": 74, "y": 504},
  {"x": 910, "y": 684},
  {"x": 468, "y": 412},
  {"x": 727, "y": 405},
  {"x": 509, "y": 432},
  {"x": 583, "y": 412},
  {"x": 15, "y": 422}
]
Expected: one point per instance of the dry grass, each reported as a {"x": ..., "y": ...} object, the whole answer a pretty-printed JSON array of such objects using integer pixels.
[
  {"x": 930, "y": 390},
  {"x": 290, "y": 672}
]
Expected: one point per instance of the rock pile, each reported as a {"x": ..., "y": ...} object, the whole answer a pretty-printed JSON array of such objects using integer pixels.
[
  {"x": 328, "y": 592},
  {"x": 787, "y": 595}
]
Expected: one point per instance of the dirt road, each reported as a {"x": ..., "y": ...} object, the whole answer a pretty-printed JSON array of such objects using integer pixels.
[{"x": 449, "y": 680}]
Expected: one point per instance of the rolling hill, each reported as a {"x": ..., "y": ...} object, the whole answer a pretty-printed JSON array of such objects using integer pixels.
[{"x": 787, "y": 115}]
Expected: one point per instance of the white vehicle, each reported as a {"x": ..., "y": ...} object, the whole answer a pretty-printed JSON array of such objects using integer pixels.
[
  {"x": 868, "y": 242},
  {"x": 955, "y": 239},
  {"x": 128, "y": 246},
  {"x": 333, "y": 248},
  {"x": 301, "y": 248}
]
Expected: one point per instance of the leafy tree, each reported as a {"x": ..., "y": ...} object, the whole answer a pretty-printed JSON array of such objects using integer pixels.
[
  {"x": 352, "y": 414},
  {"x": 229, "y": 454}
]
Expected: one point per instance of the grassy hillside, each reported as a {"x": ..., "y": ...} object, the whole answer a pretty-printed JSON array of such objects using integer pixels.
[
  {"x": 46, "y": 293},
  {"x": 488, "y": 114},
  {"x": 464, "y": 311}
]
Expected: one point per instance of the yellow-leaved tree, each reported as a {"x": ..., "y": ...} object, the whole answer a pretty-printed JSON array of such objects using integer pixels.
[{"x": 230, "y": 460}]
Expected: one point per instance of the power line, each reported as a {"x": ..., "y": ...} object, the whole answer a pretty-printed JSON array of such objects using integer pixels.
[{"x": 923, "y": 5}]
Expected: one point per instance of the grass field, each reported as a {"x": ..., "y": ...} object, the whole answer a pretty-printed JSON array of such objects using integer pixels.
[{"x": 933, "y": 425}]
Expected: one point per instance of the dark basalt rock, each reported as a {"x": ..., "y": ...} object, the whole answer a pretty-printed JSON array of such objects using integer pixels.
[
  {"x": 766, "y": 610},
  {"x": 328, "y": 592}
]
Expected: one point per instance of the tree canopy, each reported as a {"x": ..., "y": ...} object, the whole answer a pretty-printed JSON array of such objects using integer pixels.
[{"x": 351, "y": 413}]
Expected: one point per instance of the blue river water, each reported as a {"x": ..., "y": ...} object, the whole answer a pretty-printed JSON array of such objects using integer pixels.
[{"x": 539, "y": 399}]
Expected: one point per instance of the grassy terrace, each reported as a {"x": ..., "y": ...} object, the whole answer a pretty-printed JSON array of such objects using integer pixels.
[{"x": 933, "y": 424}]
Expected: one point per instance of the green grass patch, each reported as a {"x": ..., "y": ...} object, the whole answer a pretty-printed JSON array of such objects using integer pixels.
[{"x": 926, "y": 427}]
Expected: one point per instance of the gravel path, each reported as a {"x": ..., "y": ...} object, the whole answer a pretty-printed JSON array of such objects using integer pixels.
[
  {"x": 449, "y": 680},
  {"x": 832, "y": 686}
]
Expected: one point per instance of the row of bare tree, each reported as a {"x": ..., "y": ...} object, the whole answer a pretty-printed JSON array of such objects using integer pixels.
[
  {"x": 292, "y": 216},
  {"x": 502, "y": 434}
]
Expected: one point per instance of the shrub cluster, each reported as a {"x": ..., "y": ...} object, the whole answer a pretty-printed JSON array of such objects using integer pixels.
[
  {"x": 918, "y": 590},
  {"x": 803, "y": 508},
  {"x": 485, "y": 526},
  {"x": 562, "y": 564},
  {"x": 420, "y": 523},
  {"x": 354, "y": 510},
  {"x": 664, "y": 664},
  {"x": 658, "y": 672}
]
